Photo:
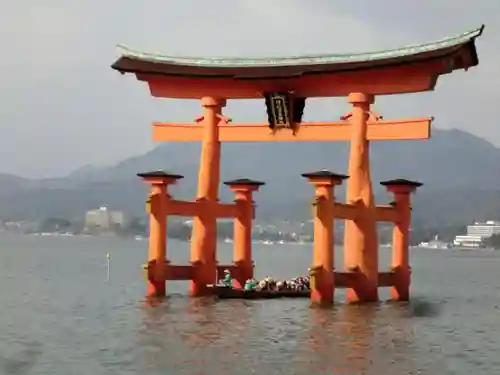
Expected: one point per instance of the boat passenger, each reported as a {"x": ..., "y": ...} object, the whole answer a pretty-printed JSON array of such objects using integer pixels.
[
  {"x": 271, "y": 283},
  {"x": 262, "y": 285},
  {"x": 250, "y": 284},
  {"x": 265, "y": 283},
  {"x": 299, "y": 283},
  {"x": 228, "y": 279},
  {"x": 307, "y": 282},
  {"x": 280, "y": 285}
]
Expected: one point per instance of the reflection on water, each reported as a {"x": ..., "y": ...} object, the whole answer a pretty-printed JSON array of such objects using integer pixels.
[
  {"x": 240, "y": 337},
  {"x": 352, "y": 353},
  {"x": 59, "y": 316}
]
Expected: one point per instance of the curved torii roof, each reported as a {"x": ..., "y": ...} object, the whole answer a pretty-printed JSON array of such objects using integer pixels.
[
  {"x": 308, "y": 75},
  {"x": 134, "y": 61}
]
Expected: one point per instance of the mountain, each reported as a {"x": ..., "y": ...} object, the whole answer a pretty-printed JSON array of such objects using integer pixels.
[
  {"x": 461, "y": 173},
  {"x": 10, "y": 183}
]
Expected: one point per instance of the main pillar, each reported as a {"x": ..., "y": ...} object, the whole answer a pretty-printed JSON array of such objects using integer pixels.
[
  {"x": 157, "y": 253},
  {"x": 322, "y": 270},
  {"x": 242, "y": 236},
  {"x": 360, "y": 239},
  {"x": 402, "y": 190},
  {"x": 204, "y": 235}
]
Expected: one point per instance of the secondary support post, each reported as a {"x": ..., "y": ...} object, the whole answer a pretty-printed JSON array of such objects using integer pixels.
[
  {"x": 204, "y": 235},
  {"x": 157, "y": 254},
  {"x": 242, "y": 236},
  {"x": 402, "y": 189},
  {"x": 360, "y": 239},
  {"x": 323, "y": 268}
]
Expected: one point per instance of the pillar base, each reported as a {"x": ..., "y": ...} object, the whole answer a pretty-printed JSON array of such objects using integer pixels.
[
  {"x": 357, "y": 296},
  {"x": 321, "y": 298},
  {"x": 242, "y": 272},
  {"x": 202, "y": 276},
  {"x": 322, "y": 286},
  {"x": 362, "y": 291},
  {"x": 400, "y": 290},
  {"x": 156, "y": 283},
  {"x": 400, "y": 293},
  {"x": 156, "y": 289}
]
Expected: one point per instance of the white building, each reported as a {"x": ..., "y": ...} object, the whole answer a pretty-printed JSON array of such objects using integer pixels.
[
  {"x": 477, "y": 233},
  {"x": 105, "y": 218}
]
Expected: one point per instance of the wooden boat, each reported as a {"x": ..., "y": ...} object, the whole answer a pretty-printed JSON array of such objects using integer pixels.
[{"x": 224, "y": 292}]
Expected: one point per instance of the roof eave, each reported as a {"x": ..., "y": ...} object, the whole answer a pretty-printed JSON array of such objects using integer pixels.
[
  {"x": 461, "y": 49},
  {"x": 221, "y": 63},
  {"x": 468, "y": 58}
]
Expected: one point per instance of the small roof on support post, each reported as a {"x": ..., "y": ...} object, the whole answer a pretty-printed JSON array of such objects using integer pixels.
[
  {"x": 324, "y": 173},
  {"x": 325, "y": 177},
  {"x": 160, "y": 177},
  {"x": 401, "y": 182},
  {"x": 244, "y": 184},
  {"x": 244, "y": 181},
  {"x": 401, "y": 185}
]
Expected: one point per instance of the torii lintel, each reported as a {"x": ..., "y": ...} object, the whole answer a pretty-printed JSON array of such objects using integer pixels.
[{"x": 407, "y": 129}]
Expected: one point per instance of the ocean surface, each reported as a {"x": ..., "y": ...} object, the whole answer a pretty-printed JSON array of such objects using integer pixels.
[{"x": 60, "y": 316}]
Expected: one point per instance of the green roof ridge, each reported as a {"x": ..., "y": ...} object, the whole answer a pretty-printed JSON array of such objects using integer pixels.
[{"x": 316, "y": 59}]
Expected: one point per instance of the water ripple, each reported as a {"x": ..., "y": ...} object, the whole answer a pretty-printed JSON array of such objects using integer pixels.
[{"x": 59, "y": 316}]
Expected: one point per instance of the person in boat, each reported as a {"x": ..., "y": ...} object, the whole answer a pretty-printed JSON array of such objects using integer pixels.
[
  {"x": 228, "y": 279},
  {"x": 270, "y": 283},
  {"x": 299, "y": 282},
  {"x": 262, "y": 285},
  {"x": 250, "y": 284},
  {"x": 280, "y": 285},
  {"x": 302, "y": 283},
  {"x": 266, "y": 284},
  {"x": 307, "y": 282}
]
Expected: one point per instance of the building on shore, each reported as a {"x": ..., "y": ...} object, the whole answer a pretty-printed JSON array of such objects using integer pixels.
[
  {"x": 105, "y": 219},
  {"x": 477, "y": 234},
  {"x": 436, "y": 243}
]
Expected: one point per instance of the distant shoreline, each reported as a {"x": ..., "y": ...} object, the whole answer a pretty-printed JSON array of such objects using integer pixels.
[{"x": 144, "y": 238}]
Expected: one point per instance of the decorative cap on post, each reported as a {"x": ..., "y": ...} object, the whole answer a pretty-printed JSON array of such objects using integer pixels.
[
  {"x": 244, "y": 184},
  {"x": 325, "y": 177},
  {"x": 208, "y": 101},
  {"x": 401, "y": 185},
  {"x": 160, "y": 177},
  {"x": 358, "y": 97}
]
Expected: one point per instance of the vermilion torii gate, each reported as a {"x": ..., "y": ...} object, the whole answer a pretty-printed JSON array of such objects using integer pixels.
[{"x": 285, "y": 83}]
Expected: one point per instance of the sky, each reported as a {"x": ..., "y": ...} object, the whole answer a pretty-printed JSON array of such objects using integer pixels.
[{"x": 62, "y": 106}]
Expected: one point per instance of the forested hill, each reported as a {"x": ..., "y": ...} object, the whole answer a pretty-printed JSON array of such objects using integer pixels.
[{"x": 461, "y": 173}]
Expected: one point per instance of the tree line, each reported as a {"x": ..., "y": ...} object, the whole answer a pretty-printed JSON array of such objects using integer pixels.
[{"x": 179, "y": 230}]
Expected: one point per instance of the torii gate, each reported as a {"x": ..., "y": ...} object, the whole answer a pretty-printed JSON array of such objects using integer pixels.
[{"x": 285, "y": 84}]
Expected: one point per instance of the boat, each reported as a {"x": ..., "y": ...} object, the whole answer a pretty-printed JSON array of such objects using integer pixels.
[{"x": 224, "y": 292}]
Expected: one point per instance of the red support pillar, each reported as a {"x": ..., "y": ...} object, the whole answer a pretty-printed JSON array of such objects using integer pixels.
[
  {"x": 242, "y": 237},
  {"x": 204, "y": 234},
  {"x": 360, "y": 237},
  {"x": 402, "y": 190},
  {"x": 157, "y": 254},
  {"x": 322, "y": 271}
]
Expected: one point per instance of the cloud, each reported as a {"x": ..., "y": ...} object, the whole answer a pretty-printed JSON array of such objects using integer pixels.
[{"x": 62, "y": 106}]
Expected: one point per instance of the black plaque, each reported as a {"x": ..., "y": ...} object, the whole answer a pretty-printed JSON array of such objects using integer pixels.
[
  {"x": 279, "y": 110},
  {"x": 284, "y": 110}
]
